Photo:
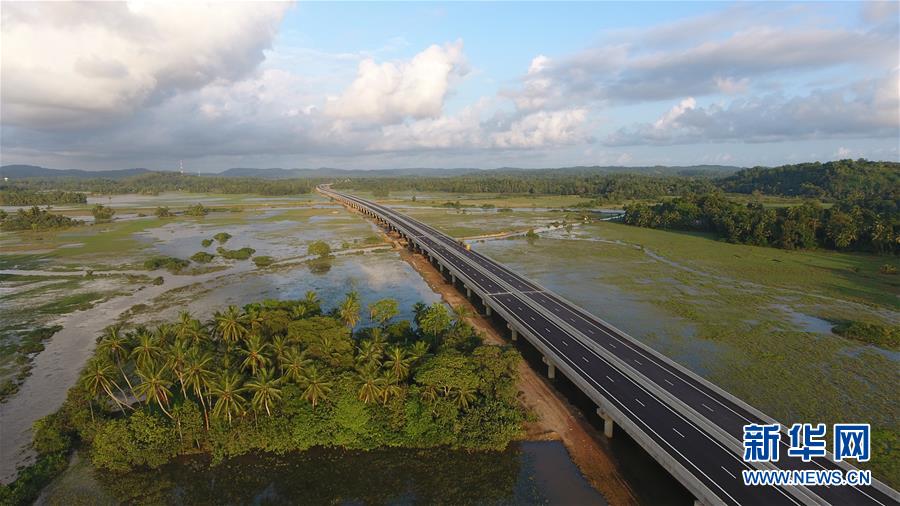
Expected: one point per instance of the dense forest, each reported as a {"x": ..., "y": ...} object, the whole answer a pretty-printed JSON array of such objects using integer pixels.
[
  {"x": 281, "y": 376},
  {"x": 846, "y": 225},
  {"x": 20, "y": 197},
  {"x": 609, "y": 187},
  {"x": 156, "y": 182},
  {"x": 34, "y": 218},
  {"x": 853, "y": 180}
]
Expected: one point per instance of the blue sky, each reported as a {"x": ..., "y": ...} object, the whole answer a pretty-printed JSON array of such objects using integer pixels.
[{"x": 379, "y": 85}]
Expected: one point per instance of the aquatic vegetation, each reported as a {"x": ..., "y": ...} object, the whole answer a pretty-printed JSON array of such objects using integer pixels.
[
  {"x": 236, "y": 254},
  {"x": 202, "y": 257}
]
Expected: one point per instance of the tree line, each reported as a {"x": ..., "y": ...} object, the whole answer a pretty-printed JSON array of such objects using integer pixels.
[
  {"x": 34, "y": 219},
  {"x": 157, "y": 182},
  {"x": 846, "y": 225},
  {"x": 286, "y": 375},
  {"x": 21, "y": 197}
]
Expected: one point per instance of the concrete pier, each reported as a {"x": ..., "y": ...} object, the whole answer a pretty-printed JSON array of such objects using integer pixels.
[{"x": 608, "y": 423}]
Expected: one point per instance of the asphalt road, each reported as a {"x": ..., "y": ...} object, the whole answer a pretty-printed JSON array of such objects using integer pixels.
[{"x": 694, "y": 424}]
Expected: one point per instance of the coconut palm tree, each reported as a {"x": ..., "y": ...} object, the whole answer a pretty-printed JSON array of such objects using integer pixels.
[
  {"x": 418, "y": 351},
  {"x": 97, "y": 378},
  {"x": 294, "y": 365},
  {"x": 165, "y": 333},
  {"x": 255, "y": 320},
  {"x": 368, "y": 354},
  {"x": 463, "y": 396},
  {"x": 154, "y": 386},
  {"x": 265, "y": 390},
  {"x": 313, "y": 304},
  {"x": 255, "y": 354},
  {"x": 198, "y": 375},
  {"x": 229, "y": 402},
  {"x": 231, "y": 324},
  {"x": 280, "y": 345},
  {"x": 317, "y": 386},
  {"x": 391, "y": 389},
  {"x": 349, "y": 310},
  {"x": 176, "y": 361},
  {"x": 147, "y": 349},
  {"x": 372, "y": 385},
  {"x": 115, "y": 346},
  {"x": 190, "y": 329},
  {"x": 398, "y": 363}
]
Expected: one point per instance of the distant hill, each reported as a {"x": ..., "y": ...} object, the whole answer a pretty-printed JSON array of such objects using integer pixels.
[
  {"x": 32, "y": 171},
  {"x": 330, "y": 172},
  {"x": 26, "y": 171},
  {"x": 841, "y": 179}
]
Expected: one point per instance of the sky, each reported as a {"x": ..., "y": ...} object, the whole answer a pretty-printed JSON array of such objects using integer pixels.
[{"x": 385, "y": 85}]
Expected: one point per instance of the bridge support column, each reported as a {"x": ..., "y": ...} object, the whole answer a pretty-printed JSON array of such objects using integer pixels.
[
  {"x": 453, "y": 278},
  {"x": 487, "y": 309},
  {"x": 515, "y": 335},
  {"x": 551, "y": 368},
  {"x": 468, "y": 292},
  {"x": 608, "y": 423}
]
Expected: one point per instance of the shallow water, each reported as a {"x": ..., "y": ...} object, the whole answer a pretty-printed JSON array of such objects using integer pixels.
[{"x": 525, "y": 473}]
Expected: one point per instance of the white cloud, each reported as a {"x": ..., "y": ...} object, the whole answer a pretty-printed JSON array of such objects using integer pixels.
[
  {"x": 85, "y": 63},
  {"x": 542, "y": 129},
  {"x": 869, "y": 108},
  {"x": 389, "y": 92}
]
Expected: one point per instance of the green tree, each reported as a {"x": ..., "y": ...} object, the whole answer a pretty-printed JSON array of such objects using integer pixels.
[
  {"x": 349, "y": 310},
  {"x": 371, "y": 385},
  {"x": 147, "y": 350},
  {"x": 317, "y": 386},
  {"x": 265, "y": 390},
  {"x": 254, "y": 352},
  {"x": 115, "y": 346},
  {"x": 228, "y": 392},
  {"x": 320, "y": 249},
  {"x": 154, "y": 386},
  {"x": 383, "y": 311},
  {"x": 231, "y": 324},
  {"x": 98, "y": 378},
  {"x": 398, "y": 363}
]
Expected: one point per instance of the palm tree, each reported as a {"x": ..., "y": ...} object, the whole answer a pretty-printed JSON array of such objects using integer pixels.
[
  {"x": 317, "y": 386},
  {"x": 165, "y": 333},
  {"x": 460, "y": 313},
  {"x": 115, "y": 345},
  {"x": 264, "y": 388},
  {"x": 280, "y": 347},
  {"x": 349, "y": 310},
  {"x": 147, "y": 349},
  {"x": 98, "y": 378},
  {"x": 198, "y": 375},
  {"x": 176, "y": 360},
  {"x": 419, "y": 351},
  {"x": 231, "y": 325},
  {"x": 294, "y": 365},
  {"x": 368, "y": 353},
  {"x": 463, "y": 396},
  {"x": 154, "y": 386},
  {"x": 372, "y": 385},
  {"x": 391, "y": 389},
  {"x": 255, "y": 354},
  {"x": 189, "y": 328},
  {"x": 229, "y": 402},
  {"x": 398, "y": 363},
  {"x": 313, "y": 304},
  {"x": 255, "y": 320}
]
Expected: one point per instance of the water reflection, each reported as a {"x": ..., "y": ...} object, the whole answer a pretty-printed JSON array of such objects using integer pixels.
[{"x": 526, "y": 473}]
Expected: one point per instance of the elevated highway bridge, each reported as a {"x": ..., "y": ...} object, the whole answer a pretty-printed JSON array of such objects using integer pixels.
[{"x": 693, "y": 428}]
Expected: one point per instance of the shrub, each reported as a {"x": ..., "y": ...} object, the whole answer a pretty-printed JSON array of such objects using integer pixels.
[
  {"x": 888, "y": 269},
  {"x": 196, "y": 210},
  {"x": 263, "y": 261},
  {"x": 169, "y": 263},
  {"x": 222, "y": 237},
  {"x": 162, "y": 212},
  {"x": 102, "y": 213},
  {"x": 206, "y": 242},
  {"x": 236, "y": 254},
  {"x": 319, "y": 248},
  {"x": 202, "y": 257},
  {"x": 883, "y": 336}
]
